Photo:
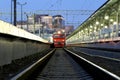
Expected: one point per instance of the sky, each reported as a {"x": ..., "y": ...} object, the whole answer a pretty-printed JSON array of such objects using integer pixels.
[{"x": 80, "y": 9}]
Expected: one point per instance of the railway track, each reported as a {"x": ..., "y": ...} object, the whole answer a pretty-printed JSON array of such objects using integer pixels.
[
  {"x": 62, "y": 66},
  {"x": 105, "y": 58}
]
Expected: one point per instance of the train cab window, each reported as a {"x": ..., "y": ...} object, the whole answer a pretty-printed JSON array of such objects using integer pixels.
[
  {"x": 62, "y": 36},
  {"x": 55, "y": 36},
  {"x": 58, "y": 36}
]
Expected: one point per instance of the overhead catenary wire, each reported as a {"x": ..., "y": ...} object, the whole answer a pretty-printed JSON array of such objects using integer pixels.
[{"x": 70, "y": 16}]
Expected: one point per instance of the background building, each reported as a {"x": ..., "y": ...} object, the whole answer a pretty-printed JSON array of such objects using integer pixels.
[
  {"x": 45, "y": 25},
  {"x": 58, "y": 21}
]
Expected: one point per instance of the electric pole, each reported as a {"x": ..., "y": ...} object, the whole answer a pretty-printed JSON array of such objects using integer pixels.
[
  {"x": 15, "y": 12},
  {"x": 21, "y": 5}
]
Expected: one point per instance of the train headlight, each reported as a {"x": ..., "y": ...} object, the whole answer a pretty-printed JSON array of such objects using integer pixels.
[{"x": 59, "y": 32}]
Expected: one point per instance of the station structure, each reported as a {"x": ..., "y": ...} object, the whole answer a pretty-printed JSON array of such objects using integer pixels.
[{"x": 102, "y": 26}]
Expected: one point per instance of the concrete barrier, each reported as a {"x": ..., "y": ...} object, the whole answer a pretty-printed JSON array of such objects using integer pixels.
[
  {"x": 7, "y": 28},
  {"x": 16, "y": 43},
  {"x": 5, "y": 52},
  {"x": 17, "y": 49}
]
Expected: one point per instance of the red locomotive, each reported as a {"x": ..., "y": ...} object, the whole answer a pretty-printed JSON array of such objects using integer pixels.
[{"x": 59, "y": 39}]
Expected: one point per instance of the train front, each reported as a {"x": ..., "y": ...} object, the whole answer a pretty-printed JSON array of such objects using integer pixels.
[{"x": 59, "y": 39}]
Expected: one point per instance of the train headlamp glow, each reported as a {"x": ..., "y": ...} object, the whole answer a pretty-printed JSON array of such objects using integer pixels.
[{"x": 59, "y": 32}]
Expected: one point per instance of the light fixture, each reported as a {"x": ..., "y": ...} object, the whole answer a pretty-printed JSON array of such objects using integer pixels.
[
  {"x": 86, "y": 29},
  {"x": 106, "y": 27},
  {"x": 95, "y": 31},
  {"x": 95, "y": 27},
  {"x": 111, "y": 20},
  {"x": 102, "y": 24},
  {"x": 82, "y": 31},
  {"x": 97, "y": 22},
  {"x": 91, "y": 26},
  {"x": 90, "y": 29},
  {"x": 115, "y": 23},
  {"x": 106, "y": 17}
]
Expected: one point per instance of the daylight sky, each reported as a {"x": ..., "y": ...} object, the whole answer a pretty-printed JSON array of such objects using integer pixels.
[{"x": 36, "y": 5}]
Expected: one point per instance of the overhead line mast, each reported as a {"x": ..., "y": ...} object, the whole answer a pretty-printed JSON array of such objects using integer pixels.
[{"x": 15, "y": 12}]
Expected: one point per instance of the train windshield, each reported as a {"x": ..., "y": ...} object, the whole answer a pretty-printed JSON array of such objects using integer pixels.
[{"x": 58, "y": 36}]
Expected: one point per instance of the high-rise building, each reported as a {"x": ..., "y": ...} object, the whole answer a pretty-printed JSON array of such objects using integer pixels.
[
  {"x": 58, "y": 21},
  {"x": 47, "y": 20},
  {"x": 23, "y": 23},
  {"x": 44, "y": 25},
  {"x": 37, "y": 21}
]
